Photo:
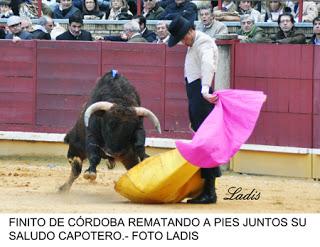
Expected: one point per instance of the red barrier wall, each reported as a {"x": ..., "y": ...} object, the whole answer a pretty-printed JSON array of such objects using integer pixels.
[
  {"x": 285, "y": 74},
  {"x": 44, "y": 84}
]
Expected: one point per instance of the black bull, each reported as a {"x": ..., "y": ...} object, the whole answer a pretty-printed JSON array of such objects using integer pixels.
[{"x": 109, "y": 127}]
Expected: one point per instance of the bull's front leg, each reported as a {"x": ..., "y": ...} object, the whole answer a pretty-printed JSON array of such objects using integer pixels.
[
  {"x": 140, "y": 142},
  {"x": 94, "y": 157}
]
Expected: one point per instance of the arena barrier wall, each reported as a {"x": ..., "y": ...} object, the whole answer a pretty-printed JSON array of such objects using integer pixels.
[{"x": 43, "y": 85}]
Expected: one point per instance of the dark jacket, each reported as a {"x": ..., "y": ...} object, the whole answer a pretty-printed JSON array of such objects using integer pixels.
[
  {"x": 39, "y": 34},
  {"x": 2, "y": 33},
  {"x": 66, "y": 13},
  {"x": 23, "y": 35},
  {"x": 149, "y": 35},
  {"x": 187, "y": 9},
  {"x": 155, "y": 13},
  {"x": 293, "y": 37},
  {"x": 84, "y": 36},
  {"x": 313, "y": 40}
]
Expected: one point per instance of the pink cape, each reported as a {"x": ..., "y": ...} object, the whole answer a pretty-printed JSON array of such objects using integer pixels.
[{"x": 225, "y": 129}]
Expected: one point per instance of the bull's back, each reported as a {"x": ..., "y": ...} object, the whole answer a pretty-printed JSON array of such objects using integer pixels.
[{"x": 115, "y": 90}]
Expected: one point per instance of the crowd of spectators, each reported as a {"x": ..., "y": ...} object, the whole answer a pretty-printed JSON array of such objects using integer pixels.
[{"x": 19, "y": 14}]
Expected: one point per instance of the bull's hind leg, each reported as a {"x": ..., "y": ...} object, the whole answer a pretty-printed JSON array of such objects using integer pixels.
[{"x": 76, "y": 167}]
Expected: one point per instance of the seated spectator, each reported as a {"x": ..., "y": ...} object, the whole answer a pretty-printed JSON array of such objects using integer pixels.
[
  {"x": 180, "y": 7},
  {"x": 132, "y": 32},
  {"x": 162, "y": 33},
  {"x": 274, "y": 9},
  {"x": 119, "y": 11},
  {"x": 309, "y": 12},
  {"x": 145, "y": 32},
  {"x": 249, "y": 32},
  {"x": 65, "y": 10},
  {"x": 245, "y": 7},
  {"x": 43, "y": 29},
  {"x": 227, "y": 13},
  {"x": 74, "y": 30},
  {"x": 209, "y": 25},
  {"x": 152, "y": 9},
  {"x": 288, "y": 34},
  {"x": 315, "y": 39},
  {"x": 26, "y": 24},
  {"x": 91, "y": 11},
  {"x": 5, "y": 9},
  {"x": 16, "y": 32},
  {"x": 29, "y": 9}
]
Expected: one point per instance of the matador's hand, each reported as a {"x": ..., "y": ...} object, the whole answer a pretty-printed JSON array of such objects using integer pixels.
[{"x": 212, "y": 98}]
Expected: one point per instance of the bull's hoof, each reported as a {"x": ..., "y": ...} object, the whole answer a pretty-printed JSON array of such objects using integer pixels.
[
  {"x": 64, "y": 188},
  {"x": 90, "y": 175}
]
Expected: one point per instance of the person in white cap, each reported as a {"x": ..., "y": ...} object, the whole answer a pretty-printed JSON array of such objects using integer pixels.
[
  {"x": 199, "y": 69},
  {"x": 16, "y": 32}
]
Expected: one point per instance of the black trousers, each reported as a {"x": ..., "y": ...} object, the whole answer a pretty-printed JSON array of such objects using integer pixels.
[{"x": 199, "y": 109}]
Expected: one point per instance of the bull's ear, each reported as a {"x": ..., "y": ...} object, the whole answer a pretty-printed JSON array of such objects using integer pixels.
[{"x": 99, "y": 113}]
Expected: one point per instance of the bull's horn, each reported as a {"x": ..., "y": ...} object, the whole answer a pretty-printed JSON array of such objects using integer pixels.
[
  {"x": 144, "y": 112},
  {"x": 102, "y": 105}
]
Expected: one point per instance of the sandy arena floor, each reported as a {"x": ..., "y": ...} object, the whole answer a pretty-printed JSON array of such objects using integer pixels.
[{"x": 30, "y": 184}]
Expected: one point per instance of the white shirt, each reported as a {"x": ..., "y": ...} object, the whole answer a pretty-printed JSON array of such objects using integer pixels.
[{"x": 201, "y": 61}]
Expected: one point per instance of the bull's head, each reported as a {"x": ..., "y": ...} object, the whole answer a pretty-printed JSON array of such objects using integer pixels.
[{"x": 120, "y": 125}]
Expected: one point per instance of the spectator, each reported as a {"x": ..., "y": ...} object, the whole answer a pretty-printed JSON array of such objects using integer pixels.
[
  {"x": 288, "y": 34},
  {"x": 29, "y": 9},
  {"x": 184, "y": 8},
  {"x": 315, "y": 39},
  {"x": 209, "y": 25},
  {"x": 309, "y": 11},
  {"x": 145, "y": 32},
  {"x": 132, "y": 31},
  {"x": 119, "y": 11},
  {"x": 5, "y": 9},
  {"x": 245, "y": 7},
  {"x": 249, "y": 32},
  {"x": 43, "y": 29},
  {"x": 65, "y": 10},
  {"x": 152, "y": 10},
  {"x": 91, "y": 11},
  {"x": 16, "y": 32},
  {"x": 162, "y": 33},
  {"x": 274, "y": 9},
  {"x": 227, "y": 13},
  {"x": 26, "y": 24},
  {"x": 74, "y": 30}
]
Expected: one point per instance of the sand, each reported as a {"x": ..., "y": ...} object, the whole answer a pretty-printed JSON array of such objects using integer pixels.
[{"x": 30, "y": 185}]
